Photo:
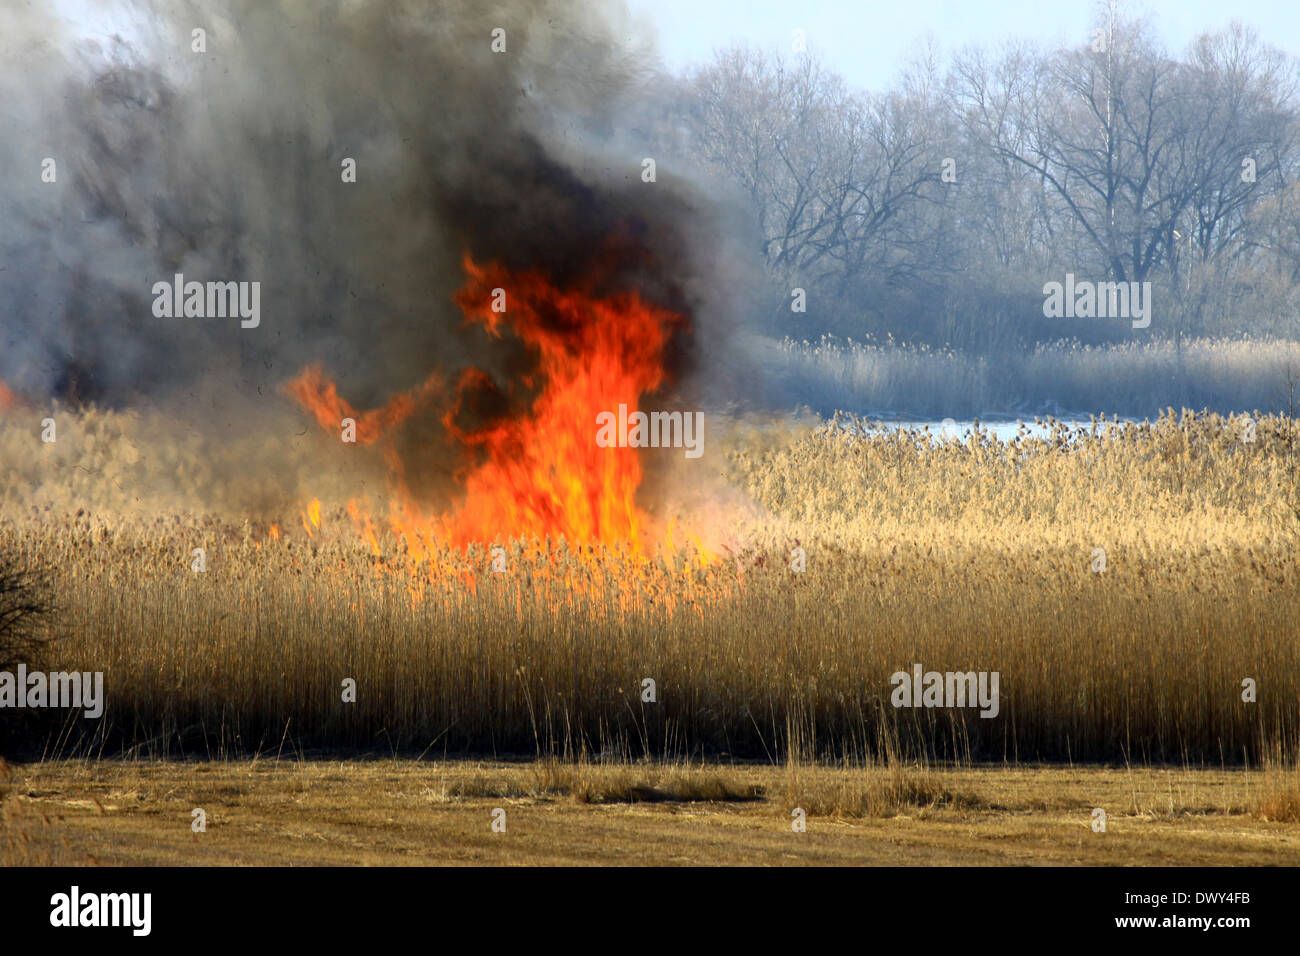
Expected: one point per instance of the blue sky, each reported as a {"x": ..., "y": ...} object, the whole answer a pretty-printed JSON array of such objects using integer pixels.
[{"x": 866, "y": 41}]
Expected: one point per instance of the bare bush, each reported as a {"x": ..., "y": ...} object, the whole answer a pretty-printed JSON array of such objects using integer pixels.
[{"x": 25, "y": 605}]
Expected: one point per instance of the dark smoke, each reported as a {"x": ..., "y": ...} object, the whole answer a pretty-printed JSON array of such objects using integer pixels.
[{"x": 226, "y": 165}]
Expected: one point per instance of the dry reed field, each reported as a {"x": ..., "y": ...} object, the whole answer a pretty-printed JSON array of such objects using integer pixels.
[
  {"x": 976, "y": 555},
  {"x": 405, "y": 812},
  {"x": 1133, "y": 379}
]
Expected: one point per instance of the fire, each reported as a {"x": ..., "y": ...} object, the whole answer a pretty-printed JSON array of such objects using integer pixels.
[
  {"x": 542, "y": 474},
  {"x": 8, "y": 399},
  {"x": 536, "y": 474},
  {"x": 363, "y": 521},
  {"x": 311, "y": 517}
]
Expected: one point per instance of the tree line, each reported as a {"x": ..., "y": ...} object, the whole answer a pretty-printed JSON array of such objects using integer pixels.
[{"x": 935, "y": 211}]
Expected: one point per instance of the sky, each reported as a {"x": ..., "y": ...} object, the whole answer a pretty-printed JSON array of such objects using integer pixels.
[{"x": 867, "y": 41}]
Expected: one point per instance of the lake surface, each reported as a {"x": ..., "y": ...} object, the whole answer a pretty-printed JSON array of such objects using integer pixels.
[{"x": 949, "y": 429}]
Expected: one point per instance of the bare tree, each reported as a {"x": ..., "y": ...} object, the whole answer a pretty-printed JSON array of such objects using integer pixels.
[
  {"x": 830, "y": 173},
  {"x": 1112, "y": 158},
  {"x": 24, "y": 610}
]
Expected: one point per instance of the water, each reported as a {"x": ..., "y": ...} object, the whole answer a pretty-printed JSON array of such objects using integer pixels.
[{"x": 949, "y": 429}]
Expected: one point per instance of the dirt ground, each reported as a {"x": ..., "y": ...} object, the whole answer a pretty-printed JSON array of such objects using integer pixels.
[{"x": 385, "y": 812}]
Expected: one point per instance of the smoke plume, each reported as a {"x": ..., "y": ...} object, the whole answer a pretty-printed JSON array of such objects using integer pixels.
[{"x": 226, "y": 165}]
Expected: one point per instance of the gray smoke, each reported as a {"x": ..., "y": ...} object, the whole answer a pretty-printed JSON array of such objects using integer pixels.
[{"x": 226, "y": 165}]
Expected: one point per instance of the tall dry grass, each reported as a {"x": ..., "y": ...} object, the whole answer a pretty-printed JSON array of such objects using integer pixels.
[
  {"x": 1137, "y": 379},
  {"x": 970, "y": 556}
]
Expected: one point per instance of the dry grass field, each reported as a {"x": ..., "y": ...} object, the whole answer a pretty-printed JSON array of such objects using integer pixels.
[
  {"x": 386, "y": 812},
  {"x": 1134, "y": 379},
  {"x": 977, "y": 555}
]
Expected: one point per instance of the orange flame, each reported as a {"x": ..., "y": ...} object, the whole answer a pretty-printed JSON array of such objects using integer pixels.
[
  {"x": 543, "y": 474},
  {"x": 538, "y": 474},
  {"x": 363, "y": 521},
  {"x": 320, "y": 396},
  {"x": 311, "y": 517}
]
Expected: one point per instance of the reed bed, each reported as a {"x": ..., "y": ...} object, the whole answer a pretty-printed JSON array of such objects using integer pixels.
[
  {"x": 1136, "y": 379},
  {"x": 960, "y": 556}
]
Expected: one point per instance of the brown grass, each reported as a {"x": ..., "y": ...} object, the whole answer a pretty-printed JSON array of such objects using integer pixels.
[
  {"x": 969, "y": 556},
  {"x": 1281, "y": 805},
  {"x": 875, "y": 792},
  {"x": 1135, "y": 378},
  {"x": 1279, "y": 795},
  {"x": 403, "y": 812},
  {"x": 648, "y": 782}
]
